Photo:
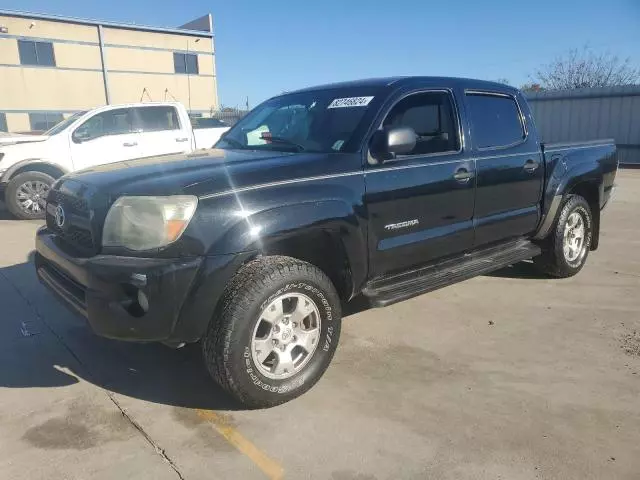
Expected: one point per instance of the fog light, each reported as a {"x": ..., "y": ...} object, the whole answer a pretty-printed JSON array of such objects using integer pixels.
[{"x": 143, "y": 301}]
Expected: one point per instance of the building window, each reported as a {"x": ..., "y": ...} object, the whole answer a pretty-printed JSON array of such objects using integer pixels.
[
  {"x": 36, "y": 53},
  {"x": 185, "y": 63},
  {"x": 3, "y": 122},
  {"x": 41, "y": 122}
]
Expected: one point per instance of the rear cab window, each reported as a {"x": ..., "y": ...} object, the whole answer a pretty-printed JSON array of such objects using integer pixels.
[
  {"x": 156, "y": 118},
  {"x": 496, "y": 120}
]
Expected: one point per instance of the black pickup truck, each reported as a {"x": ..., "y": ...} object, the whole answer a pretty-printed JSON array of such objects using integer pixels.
[{"x": 387, "y": 188}]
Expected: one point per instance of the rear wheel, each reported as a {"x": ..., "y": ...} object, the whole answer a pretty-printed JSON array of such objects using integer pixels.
[
  {"x": 26, "y": 195},
  {"x": 275, "y": 332},
  {"x": 565, "y": 250}
]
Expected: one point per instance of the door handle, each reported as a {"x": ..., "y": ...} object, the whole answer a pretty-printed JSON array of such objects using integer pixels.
[
  {"x": 183, "y": 139},
  {"x": 463, "y": 175},
  {"x": 531, "y": 166},
  {"x": 130, "y": 144}
]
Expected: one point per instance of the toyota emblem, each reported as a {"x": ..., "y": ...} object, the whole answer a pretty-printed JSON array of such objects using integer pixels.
[{"x": 60, "y": 216}]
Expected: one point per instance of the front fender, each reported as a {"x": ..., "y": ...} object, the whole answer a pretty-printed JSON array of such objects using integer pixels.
[
  {"x": 259, "y": 231},
  {"x": 266, "y": 226}
]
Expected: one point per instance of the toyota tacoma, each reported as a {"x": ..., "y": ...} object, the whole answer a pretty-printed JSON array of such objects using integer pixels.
[{"x": 385, "y": 188}]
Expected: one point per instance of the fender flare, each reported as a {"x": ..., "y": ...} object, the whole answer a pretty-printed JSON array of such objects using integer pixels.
[
  {"x": 10, "y": 172},
  {"x": 558, "y": 188},
  {"x": 261, "y": 230}
]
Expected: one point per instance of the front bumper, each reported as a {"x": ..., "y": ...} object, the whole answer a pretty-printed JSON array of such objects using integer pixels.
[{"x": 104, "y": 288}]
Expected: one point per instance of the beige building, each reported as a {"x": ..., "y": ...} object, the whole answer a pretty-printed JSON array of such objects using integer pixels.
[{"x": 53, "y": 66}]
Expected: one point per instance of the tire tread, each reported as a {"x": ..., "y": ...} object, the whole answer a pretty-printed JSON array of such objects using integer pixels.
[
  {"x": 245, "y": 288},
  {"x": 551, "y": 262}
]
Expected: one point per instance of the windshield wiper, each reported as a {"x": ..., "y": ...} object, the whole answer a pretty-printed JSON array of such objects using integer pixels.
[{"x": 285, "y": 141}]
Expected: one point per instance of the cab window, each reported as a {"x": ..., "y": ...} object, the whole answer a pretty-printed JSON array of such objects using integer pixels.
[
  {"x": 156, "y": 119},
  {"x": 112, "y": 122},
  {"x": 495, "y": 120},
  {"x": 431, "y": 116}
]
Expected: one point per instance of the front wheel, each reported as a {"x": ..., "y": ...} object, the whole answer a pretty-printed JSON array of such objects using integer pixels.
[
  {"x": 565, "y": 250},
  {"x": 275, "y": 333},
  {"x": 26, "y": 195}
]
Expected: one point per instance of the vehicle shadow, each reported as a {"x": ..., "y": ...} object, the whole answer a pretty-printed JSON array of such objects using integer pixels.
[
  {"x": 57, "y": 348},
  {"x": 4, "y": 213},
  {"x": 42, "y": 344}
]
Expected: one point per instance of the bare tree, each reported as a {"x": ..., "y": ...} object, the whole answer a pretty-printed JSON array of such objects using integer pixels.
[
  {"x": 503, "y": 80},
  {"x": 585, "y": 68},
  {"x": 531, "y": 87}
]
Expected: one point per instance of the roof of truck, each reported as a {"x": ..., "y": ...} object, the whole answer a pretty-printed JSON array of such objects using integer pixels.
[{"x": 421, "y": 80}]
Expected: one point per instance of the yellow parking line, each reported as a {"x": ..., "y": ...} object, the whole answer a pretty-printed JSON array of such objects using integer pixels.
[{"x": 269, "y": 467}]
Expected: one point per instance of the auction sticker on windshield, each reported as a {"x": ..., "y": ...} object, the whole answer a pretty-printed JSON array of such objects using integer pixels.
[{"x": 350, "y": 102}]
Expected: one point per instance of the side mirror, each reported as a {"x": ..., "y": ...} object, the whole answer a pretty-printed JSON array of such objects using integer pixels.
[
  {"x": 387, "y": 143},
  {"x": 81, "y": 135},
  {"x": 401, "y": 140}
]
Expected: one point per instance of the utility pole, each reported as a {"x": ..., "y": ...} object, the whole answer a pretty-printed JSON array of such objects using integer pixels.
[{"x": 186, "y": 67}]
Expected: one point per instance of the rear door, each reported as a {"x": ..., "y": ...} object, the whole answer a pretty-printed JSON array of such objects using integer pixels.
[
  {"x": 106, "y": 137},
  {"x": 509, "y": 167},
  {"x": 161, "y": 131},
  {"x": 420, "y": 205}
]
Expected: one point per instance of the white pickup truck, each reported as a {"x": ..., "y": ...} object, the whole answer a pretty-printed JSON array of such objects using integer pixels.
[{"x": 113, "y": 133}]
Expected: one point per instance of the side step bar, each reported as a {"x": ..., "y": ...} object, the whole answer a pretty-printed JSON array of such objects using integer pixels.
[{"x": 390, "y": 289}]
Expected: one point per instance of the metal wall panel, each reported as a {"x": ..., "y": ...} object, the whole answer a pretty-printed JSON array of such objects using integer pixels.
[{"x": 589, "y": 114}]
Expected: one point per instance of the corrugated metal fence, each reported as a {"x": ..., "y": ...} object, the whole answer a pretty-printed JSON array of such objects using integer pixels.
[{"x": 589, "y": 114}]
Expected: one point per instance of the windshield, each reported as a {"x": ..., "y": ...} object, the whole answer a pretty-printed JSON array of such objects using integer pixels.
[
  {"x": 327, "y": 121},
  {"x": 58, "y": 127}
]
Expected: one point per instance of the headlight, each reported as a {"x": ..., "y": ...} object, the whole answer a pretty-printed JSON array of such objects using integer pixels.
[{"x": 145, "y": 223}]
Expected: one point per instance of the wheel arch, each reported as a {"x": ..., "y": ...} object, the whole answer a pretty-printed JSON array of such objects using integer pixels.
[
  {"x": 326, "y": 233},
  {"x": 590, "y": 191},
  {"x": 321, "y": 248},
  {"x": 34, "y": 165},
  {"x": 584, "y": 179}
]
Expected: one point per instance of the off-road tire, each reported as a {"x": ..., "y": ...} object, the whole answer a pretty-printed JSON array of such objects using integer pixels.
[
  {"x": 226, "y": 346},
  {"x": 553, "y": 262},
  {"x": 10, "y": 195}
]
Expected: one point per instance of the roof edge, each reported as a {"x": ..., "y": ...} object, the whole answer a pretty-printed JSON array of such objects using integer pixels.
[{"x": 125, "y": 26}]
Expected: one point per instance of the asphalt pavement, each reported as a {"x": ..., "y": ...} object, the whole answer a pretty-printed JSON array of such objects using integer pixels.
[{"x": 506, "y": 376}]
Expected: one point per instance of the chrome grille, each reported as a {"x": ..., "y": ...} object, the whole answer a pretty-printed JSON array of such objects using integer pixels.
[
  {"x": 77, "y": 212},
  {"x": 77, "y": 205}
]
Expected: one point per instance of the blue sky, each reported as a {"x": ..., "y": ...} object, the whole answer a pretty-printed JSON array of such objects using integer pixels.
[{"x": 268, "y": 46}]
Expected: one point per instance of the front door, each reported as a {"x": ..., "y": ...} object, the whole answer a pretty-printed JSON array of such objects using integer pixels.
[
  {"x": 106, "y": 137},
  {"x": 420, "y": 205},
  {"x": 509, "y": 165}
]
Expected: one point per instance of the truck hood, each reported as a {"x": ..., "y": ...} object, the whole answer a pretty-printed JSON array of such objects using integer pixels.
[
  {"x": 17, "y": 138},
  {"x": 13, "y": 153},
  {"x": 200, "y": 173}
]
